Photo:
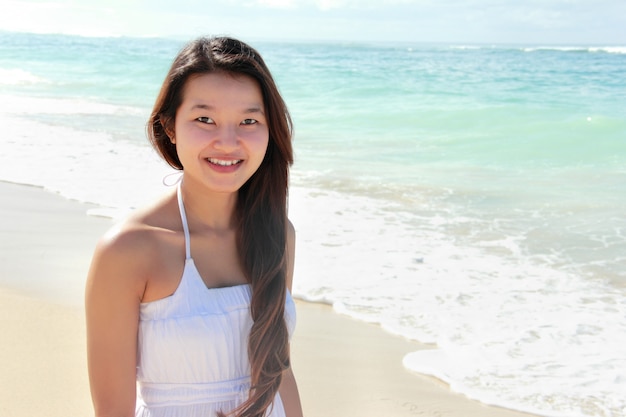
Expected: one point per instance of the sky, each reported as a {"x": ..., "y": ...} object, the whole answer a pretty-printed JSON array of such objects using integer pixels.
[{"x": 549, "y": 22}]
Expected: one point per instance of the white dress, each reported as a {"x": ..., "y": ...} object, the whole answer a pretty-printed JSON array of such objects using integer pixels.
[{"x": 193, "y": 347}]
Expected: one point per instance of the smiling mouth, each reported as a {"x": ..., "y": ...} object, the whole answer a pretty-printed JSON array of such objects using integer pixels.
[{"x": 224, "y": 163}]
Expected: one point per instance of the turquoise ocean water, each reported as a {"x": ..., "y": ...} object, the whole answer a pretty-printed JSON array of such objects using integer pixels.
[{"x": 472, "y": 197}]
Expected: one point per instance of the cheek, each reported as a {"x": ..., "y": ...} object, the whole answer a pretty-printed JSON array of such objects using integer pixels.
[
  {"x": 189, "y": 136},
  {"x": 257, "y": 143}
]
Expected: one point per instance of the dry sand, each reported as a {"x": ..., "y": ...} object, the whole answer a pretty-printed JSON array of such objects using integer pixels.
[{"x": 343, "y": 367}]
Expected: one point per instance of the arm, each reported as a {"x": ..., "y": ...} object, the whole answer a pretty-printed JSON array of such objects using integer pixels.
[
  {"x": 288, "y": 388},
  {"x": 289, "y": 395},
  {"x": 112, "y": 296}
]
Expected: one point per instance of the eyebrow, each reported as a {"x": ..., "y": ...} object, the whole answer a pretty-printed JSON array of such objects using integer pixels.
[{"x": 249, "y": 110}]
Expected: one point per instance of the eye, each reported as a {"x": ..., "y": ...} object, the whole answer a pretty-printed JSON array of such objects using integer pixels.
[
  {"x": 249, "y": 122},
  {"x": 205, "y": 119}
]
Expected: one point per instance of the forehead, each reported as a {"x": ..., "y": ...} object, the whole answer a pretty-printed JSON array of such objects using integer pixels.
[{"x": 222, "y": 89}]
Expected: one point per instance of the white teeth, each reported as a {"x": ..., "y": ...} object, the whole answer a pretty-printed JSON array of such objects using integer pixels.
[{"x": 224, "y": 163}]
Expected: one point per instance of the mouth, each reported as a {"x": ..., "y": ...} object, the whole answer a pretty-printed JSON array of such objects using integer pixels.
[{"x": 224, "y": 162}]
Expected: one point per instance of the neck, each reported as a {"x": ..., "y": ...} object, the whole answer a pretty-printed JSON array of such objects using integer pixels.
[{"x": 209, "y": 209}]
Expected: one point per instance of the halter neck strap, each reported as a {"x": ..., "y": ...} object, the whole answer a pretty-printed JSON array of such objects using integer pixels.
[{"x": 183, "y": 217}]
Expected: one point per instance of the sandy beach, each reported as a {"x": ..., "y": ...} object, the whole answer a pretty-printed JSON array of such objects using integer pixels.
[{"x": 344, "y": 367}]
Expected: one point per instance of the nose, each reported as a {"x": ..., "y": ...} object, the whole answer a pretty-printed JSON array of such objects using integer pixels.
[{"x": 227, "y": 138}]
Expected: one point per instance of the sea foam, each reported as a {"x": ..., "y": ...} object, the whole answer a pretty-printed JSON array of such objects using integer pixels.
[{"x": 18, "y": 76}]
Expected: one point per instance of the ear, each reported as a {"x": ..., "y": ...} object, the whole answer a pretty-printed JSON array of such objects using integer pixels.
[{"x": 168, "y": 126}]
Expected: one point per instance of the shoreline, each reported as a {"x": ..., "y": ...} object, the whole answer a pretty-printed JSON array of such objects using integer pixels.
[{"x": 343, "y": 366}]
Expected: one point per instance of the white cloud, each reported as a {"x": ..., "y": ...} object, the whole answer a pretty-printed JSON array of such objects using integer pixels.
[
  {"x": 327, "y": 4},
  {"x": 56, "y": 17},
  {"x": 279, "y": 4},
  {"x": 545, "y": 21}
]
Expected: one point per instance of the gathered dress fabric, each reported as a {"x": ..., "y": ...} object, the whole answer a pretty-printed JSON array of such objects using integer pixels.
[{"x": 193, "y": 347}]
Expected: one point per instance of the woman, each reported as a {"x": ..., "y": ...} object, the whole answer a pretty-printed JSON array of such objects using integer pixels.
[{"x": 189, "y": 299}]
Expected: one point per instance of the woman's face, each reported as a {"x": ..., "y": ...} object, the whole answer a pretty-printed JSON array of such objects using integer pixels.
[{"x": 221, "y": 131}]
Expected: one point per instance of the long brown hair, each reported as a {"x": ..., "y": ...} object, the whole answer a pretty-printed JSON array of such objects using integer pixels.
[{"x": 261, "y": 204}]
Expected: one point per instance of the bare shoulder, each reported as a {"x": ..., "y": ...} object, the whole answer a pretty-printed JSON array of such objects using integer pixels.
[
  {"x": 126, "y": 243},
  {"x": 119, "y": 260},
  {"x": 125, "y": 255}
]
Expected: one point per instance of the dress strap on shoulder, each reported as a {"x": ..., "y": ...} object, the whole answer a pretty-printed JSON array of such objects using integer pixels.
[{"x": 183, "y": 217}]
